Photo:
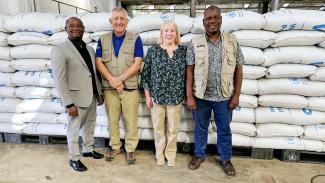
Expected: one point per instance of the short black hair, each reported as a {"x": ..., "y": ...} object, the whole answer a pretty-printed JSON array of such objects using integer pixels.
[
  {"x": 212, "y": 8},
  {"x": 70, "y": 18}
]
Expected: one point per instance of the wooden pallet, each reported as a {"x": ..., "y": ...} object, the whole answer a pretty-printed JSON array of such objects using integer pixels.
[{"x": 302, "y": 156}]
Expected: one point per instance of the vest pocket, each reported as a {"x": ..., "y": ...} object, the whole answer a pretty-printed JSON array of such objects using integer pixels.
[{"x": 107, "y": 56}]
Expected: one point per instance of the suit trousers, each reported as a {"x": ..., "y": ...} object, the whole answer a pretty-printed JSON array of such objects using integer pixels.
[
  {"x": 127, "y": 104},
  {"x": 166, "y": 121},
  {"x": 85, "y": 121}
]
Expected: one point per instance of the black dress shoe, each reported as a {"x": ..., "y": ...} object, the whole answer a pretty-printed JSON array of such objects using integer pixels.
[
  {"x": 93, "y": 154},
  {"x": 78, "y": 166}
]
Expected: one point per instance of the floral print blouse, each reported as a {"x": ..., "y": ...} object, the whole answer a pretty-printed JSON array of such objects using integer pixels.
[{"x": 163, "y": 76}]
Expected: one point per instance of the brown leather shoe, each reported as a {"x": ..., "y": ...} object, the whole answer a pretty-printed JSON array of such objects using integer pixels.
[
  {"x": 195, "y": 163},
  {"x": 110, "y": 155},
  {"x": 228, "y": 167}
]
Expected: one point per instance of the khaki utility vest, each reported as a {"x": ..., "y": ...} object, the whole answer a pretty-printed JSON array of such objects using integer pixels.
[
  {"x": 201, "y": 67},
  {"x": 118, "y": 65}
]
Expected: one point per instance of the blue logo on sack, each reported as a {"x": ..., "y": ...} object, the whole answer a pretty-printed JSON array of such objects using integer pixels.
[{"x": 307, "y": 111}]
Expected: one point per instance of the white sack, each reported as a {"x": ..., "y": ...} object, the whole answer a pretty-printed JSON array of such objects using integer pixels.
[
  {"x": 252, "y": 56},
  {"x": 278, "y": 130},
  {"x": 12, "y": 118},
  {"x": 246, "y": 129},
  {"x": 102, "y": 131},
  {"x": 3, "y": 38},
  {"x": 255, "y": 38},
  {"x": 39, "y": 117},
  {"x": 249, "y": 87},
  {"x": 322, "y": 44},
  {"x": 315, "y": 132},
  {"x": 11, "y": 128},
  {"x": 46, "y": 129},
  {"x": 187, "y": 38},
  {"x": 33, "y": 92},
  {"x": 290, "y": 70},
  {"x": 5, "y": 53},
  {"x": 298, "y": 86},
  {"x": 291, "y": 19},
  {"x": 31, "y": 51},
  {"x": 313, "y": 145},
  {"x": 319, "y": 74},
  {"x": 283, "y": 100},
  {"x": 316, "y": 103},
  {"x": 33, "y": 78},
  {"x": 150, "y": 37},
  {"x": 31, "y": 64},
  {"x": 95, "y": 22},
  {"x": 153, "y": 21},
  {"x": 5, "y": 79},
  {"x": 298, "y": 38},
  {"x": 47, "y": 23},
  {"x": 289, "y": 116},
  {"x": 237, "y": 140},
  {"x": 249, "y": 101},
  {"x": 3, "y": 18},
  {"x": 295, "y": 54},
  {"x": 245, "y": 115},
  {"x": 9, "y": 104},
  {"x": 41, "y": 105},
  {"x": 253, "y": 72},
  {"x": 7, "y": 92},
  {"x": 61, "y": 37},
  {"x": 22, "y": 38},
  {"x": 233, "y": 21},
  {"x": 279, "y": 143},
  {"x": 6, "y": 66}
]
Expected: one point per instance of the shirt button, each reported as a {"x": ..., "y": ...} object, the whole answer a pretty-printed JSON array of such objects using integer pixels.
[{"x": 90, "y": 76}]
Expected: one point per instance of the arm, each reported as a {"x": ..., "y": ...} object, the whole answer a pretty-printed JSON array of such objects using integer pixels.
[
  {"x": 59, "y": 64},
  {"x": 191, "y": 104},
  {"x": 238, "y": 79},
  {"x": 145, "y": 78},
  {"x": 190, "y": 61}
]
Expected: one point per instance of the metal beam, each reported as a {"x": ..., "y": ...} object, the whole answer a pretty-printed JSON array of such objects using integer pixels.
[
  {"x": 274, "y": 5},
  {"x": 193, "y": 8}
]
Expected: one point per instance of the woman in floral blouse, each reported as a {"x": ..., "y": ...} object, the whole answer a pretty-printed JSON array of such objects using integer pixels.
[{"x": 163, "y": 80}]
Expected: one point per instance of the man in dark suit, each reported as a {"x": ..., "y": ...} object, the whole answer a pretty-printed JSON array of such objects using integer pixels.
[{"x": 79, "y": 87}]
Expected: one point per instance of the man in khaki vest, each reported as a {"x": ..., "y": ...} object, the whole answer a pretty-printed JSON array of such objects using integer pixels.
[
  {"x": 213, "y": 83},
  {"x": 118, "y": 58}
]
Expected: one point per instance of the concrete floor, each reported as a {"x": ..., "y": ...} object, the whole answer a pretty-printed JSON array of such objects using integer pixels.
[{"x": 48, "y": 163}]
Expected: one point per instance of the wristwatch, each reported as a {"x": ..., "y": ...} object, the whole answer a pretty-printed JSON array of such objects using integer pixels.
[{"x": 122, "y": 77}]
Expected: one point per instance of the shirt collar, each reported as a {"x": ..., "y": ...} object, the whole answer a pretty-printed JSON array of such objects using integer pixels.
[
  {"x": 217, "y": 42},
  {"x": 76, "y": 43},
  {"x": 115, "y": 37}
]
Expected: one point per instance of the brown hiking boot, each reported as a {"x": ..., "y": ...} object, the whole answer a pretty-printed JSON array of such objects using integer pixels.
[
  {"x": 228, "y": 167},
  {"x": 130, "y": 157},
  {"x": 195, "y": 163},
  {"x": 110, "y": 155}
]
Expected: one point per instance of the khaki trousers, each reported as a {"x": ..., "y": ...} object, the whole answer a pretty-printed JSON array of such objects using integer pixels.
[
  {"x": 85, "y": 121},
  {"x": 127, "y": 104},
  {"x": 165, "y": 132}
]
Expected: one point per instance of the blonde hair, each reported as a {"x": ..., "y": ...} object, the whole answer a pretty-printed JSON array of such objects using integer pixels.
[{"x": 163, "y": 26}]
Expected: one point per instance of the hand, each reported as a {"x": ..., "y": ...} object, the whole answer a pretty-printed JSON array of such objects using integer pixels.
[
  {"x": 73, "y": 111},
  {"x": 191, "y": 104},
  {"x": 234, "y": 101},
  {"x": 100, "y": 100},
  {"x": 120, "y": 88},
  {"x": 149, "y": 102},
  {"x": 115, "y": 82}
]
